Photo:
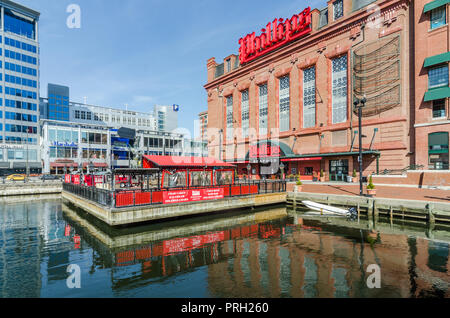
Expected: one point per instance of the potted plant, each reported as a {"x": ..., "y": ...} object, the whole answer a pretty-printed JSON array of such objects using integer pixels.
[
  {"x": 371, "y": 187},
  {"x": 354, "y": 176},
  {"x": 298, "y": 186},
  {"x": 322, "y": 176}
]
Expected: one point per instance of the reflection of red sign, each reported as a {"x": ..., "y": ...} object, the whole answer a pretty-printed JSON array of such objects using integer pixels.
[
  {"x": 193, "y": 195},
  {"x": 67, "y": 230},
  {"x": 189, "y": 243},
  {"x": 275, "y": 35},
  {"x": 76, "y": 239},
  {"x": 265, "y": 151}
]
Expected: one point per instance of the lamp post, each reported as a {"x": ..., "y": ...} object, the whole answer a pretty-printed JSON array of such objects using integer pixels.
[
  {"x": 282, "y": 170},
  {"x": 360, "y": 103},
  {"x": 249, "y": 167},
  {"x": 27, "y": 170}
]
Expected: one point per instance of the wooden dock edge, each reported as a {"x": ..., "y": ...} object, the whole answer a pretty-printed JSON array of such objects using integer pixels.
[{"x": 428, "y": 211}]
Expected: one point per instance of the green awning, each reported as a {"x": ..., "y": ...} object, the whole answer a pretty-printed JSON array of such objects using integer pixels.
[
  {"x": 437, "y": 93},
  {"x": 435, "y": 4},
  {"x": 437, "y": 59},
  {"x": 437, "y": 151}
]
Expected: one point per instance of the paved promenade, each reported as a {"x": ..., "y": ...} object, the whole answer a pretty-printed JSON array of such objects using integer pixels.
[{"x": 392, "y": 192}]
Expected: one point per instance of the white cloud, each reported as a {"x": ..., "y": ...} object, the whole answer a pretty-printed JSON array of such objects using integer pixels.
[{"x": 143, "y": 99}]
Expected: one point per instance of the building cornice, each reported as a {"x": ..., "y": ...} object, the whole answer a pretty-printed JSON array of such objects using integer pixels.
[
  {"x": 356, "y": 19},
  {"x": 20, "y": 9}
]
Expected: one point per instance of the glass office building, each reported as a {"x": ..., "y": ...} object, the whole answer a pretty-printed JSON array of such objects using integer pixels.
[
  {"x": 19, "y": 89},
  {"x": 58, "y": 102}
]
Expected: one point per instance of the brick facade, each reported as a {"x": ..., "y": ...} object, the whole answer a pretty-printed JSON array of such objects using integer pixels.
[
  {"x": 391, "y": 139},
  {"x": 428, "y": 42}
]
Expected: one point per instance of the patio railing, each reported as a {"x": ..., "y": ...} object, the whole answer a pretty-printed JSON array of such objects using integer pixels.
[{"x": 141, "y": 197}]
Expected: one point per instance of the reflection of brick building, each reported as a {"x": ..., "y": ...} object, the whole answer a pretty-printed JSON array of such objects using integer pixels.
[
  {"x": 301, "y": 94},
  {"x": 311, "y": 259},
  {"x": 308, "y": 264}
]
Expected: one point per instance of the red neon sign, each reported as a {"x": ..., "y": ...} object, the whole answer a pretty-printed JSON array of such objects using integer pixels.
[
  {"x": 275, "y": 35},
  {"x": 265, "y": 151}
]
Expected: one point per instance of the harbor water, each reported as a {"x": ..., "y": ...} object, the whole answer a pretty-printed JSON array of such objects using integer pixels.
[{"x": 273, "y": 252}]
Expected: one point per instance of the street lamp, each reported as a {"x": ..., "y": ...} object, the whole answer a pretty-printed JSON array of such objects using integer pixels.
[
  {"x": 359, "y": 104},
  {"x": 282, "y": 170},
  {"x": 249, "y": 167}
]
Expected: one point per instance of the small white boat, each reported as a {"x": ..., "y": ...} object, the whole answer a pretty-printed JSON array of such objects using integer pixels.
[{"x": 326, "y": 209}]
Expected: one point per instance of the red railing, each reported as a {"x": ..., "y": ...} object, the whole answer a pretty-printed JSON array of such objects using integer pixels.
[{"x": 129, "y": 198}]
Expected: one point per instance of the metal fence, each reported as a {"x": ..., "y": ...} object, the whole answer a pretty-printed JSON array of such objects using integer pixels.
[
  {"x": 140, "y": 197},
  {"x": 101, "y": 196}
]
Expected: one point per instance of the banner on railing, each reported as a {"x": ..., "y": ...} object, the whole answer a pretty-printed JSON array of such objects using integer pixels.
[{"x": 193, "y": 195}]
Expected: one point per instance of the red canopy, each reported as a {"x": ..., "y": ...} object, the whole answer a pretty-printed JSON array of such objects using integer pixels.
[
  {"x": 62, "y": 165},
  {"x": 96, "y": 164},
  {"x": 186, "y": 162}
]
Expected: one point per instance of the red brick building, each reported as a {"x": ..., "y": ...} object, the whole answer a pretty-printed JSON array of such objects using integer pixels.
[
  {"x": 431, "y": 56},
  {"x": 288, "y": 96}
]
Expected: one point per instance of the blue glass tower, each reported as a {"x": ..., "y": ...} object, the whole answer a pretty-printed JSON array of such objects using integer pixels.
[
  {"x": 19, "y": 89},
  {"x": 58, "y": 102}
]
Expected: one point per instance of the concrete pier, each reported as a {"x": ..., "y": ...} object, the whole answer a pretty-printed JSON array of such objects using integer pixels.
[
  {"x": 140, "y": 214},
  {"x": 34, "y": 188},
  {"x": 124, "y": 238}
]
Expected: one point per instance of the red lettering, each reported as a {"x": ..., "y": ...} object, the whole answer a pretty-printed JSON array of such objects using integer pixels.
[
  {"x": 268, "y": 34},
  {"x": 276, "y": 34}
]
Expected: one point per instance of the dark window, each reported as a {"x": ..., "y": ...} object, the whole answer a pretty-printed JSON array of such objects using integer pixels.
[
  {"x": 439, "y": 108},
  {"x": 438, "y": 151}
]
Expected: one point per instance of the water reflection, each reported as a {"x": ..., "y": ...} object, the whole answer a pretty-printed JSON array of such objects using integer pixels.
[{"x": 271, "y": 253}]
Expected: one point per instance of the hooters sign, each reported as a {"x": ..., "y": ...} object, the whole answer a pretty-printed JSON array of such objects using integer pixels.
[{"x": 276, "y": 34}]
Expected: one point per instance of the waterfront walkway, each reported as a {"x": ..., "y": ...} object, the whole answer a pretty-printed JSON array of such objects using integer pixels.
[{"x": 391, "y": 192}]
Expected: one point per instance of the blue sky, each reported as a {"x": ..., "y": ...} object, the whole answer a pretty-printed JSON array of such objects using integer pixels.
[{"x": 146, "y": 52}]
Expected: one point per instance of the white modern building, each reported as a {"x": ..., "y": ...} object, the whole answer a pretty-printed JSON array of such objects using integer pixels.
[
  {"x": 78, "y": 136},
  {"x": 166, "y": 117},
  {"x": 69, "y": 146}
]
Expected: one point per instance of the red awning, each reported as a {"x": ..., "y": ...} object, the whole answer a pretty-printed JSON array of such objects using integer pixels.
[
  {"x": 96, "y": 164},
  {"x": 62, "y": 165},
  {"x": 188, "y": 162},
  {"x": 303, "y": 159}
]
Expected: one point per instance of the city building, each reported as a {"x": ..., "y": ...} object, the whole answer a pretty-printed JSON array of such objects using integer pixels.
[
  {"x": 195, "y": 148},
  {"x": 166, "y": 117},
  {"x": 203, "y": 118},
  {"x": 289, "y": 95},
  {"x": 431, "y": 58},
  {"x": 72, "y": 146},
  {"x": 19, "y": 89},
  {"x": 89, "y": 137},
  {"x": 57, "y": 106}
]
